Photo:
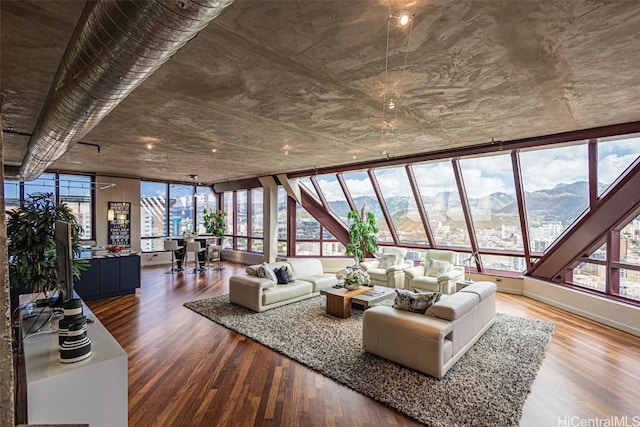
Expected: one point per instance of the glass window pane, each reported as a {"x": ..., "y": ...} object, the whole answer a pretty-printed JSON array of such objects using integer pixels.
[
  {"x": 11, "y": 195},
  {"x": 630, "y": 242},
  {"x": 227, "y": 243},
  {"x": 555, "y": 182},
  {"x": 153, "y": 209},
  {"x": 306, "y": 182},
  {"x": 257, "y": 216},
  {"x": 334, "y": 195},
  {"x": 600, "y": 253},
  {"x": 257, "y": 245},
  {"x": 282, "y": 248},
  {"x": 332, "y": 249},
  {"x": 45, "y": 183},
  {"x": 614, "y": 156},
  {"x": 326, "y": 235},
  {"x": 242, "y": 243},
  {"x": 441, "y": 200},
  {"x": 592, "y": 276},
  {"x": 307, "y": 228},
  {"x": 402, "y": 206},
  {"x": 151, "y": 245},
  {"x": 181, "y": 208},
  {"x": 630, "y": 283},
  {"x": 282, "y": 214},
  {"x": 241, "y": 215},
  {"x": 205, "y": 198},
  {"x": 228, "y": 208},
  {"x": 361, "y": 190},
  {"x": 75, "y": 192},
  {"x": 504, "y": 263},
  {"x": 307, "y": 248},
  {"x": 492, "y": 201}
]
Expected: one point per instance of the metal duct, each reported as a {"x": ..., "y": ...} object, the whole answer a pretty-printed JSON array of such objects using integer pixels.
[{"x": 115, "y": 46}]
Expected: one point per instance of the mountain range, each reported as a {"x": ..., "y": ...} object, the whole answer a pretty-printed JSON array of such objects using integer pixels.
[{"x": 564, "y": 203}]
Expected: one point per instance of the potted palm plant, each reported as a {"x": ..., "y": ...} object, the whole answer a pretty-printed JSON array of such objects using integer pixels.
[
  {"x": 31, "y": 243},
  {"x": 214, "y": 222},
  {"x": 363, "y": 235}
]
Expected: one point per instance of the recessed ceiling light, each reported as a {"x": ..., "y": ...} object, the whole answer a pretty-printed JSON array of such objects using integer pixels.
[
  {"x": 214, "y": 150},
  {"x": 404, "y": 17},
  {"x": 286, "y": 152},
  {"x": 354, "y": 157},
  {"x": 149, "y": 146}
]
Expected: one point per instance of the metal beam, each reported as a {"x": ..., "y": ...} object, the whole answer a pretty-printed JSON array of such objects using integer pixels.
[{"x": 324, "y": 217}]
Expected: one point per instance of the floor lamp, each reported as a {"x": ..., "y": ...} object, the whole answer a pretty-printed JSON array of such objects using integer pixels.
[{"x": 468, "y": 260}]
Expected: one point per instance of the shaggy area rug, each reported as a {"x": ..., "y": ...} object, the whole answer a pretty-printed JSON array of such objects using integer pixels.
[{"x": 486, "y": 387}]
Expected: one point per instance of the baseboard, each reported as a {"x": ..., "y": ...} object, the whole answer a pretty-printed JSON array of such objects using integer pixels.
[{"x": 615, "y": 314}]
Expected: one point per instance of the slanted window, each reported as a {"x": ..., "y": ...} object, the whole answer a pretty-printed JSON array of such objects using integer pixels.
[
  {"x": 441, "y": 200},
  {"x": 555, "y": 182},
  {"x": 403, "y": 209}
]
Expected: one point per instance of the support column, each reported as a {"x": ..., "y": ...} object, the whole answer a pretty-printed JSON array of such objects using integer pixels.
[
  {"x": 6, "y": 356},
  {"x": 270, "y": 208}
]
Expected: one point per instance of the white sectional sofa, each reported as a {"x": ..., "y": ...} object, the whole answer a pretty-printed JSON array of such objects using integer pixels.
[
  {"x": 260, "y": 293},
  {"x": 432, "y": 342}
]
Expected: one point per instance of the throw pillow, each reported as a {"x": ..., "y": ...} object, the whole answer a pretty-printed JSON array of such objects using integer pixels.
[
  {"x": 267, "y": 273},
  {"x": 281, "y": 275},
  {"x": 437, "y": 268},
  {"x": 388, "y": 260},
  {"x": 290, "y": 275},
  {"x": 417, "y": 302}
]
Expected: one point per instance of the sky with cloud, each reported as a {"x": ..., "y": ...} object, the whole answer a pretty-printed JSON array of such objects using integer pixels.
[{"x": 541, "y": 169}]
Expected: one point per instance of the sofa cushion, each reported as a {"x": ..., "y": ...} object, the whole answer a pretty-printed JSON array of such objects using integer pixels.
[
  {"x": 416, "y": 301},
  {"x": 266, "y": 271},
  {"x": 425, "y": 282},
  {"x": 281, "y": 275},
  {"x": 290, "y": 276},
  {"x": 436, "y": 268},
  {"x": 454, "y": 306},
  {"x": 252, "y": 270},
  {"x": 482, "y": 289},
  {"x": 378, "y": 274},
  {"x": 388, "y": 260},
  {"x": 320, "y": 281},
  {"x": 285, "y": 292},
  {"x": 303, "y": 267}
]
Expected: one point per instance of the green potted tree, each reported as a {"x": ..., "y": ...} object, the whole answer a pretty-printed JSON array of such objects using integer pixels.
[
  {"x": 363, "y": 235},
  {"x": 214, "y": 222},
  {"x": 31, "y": 243}
]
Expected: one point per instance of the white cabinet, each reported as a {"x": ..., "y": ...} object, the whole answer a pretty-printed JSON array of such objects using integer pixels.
[{"x": 92, "y": 391}]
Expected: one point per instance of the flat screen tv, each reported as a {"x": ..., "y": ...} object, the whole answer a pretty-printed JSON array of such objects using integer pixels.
[{"x": 64, "y": 258}]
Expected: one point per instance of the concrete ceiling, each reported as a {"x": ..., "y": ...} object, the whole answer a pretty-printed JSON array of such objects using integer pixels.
[{"x": 307, "y": 77}]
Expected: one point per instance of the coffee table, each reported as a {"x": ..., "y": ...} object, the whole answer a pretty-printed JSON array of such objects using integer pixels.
[
  {"x": 374, "y": 296},
  {"x": 339, "y": 299}
]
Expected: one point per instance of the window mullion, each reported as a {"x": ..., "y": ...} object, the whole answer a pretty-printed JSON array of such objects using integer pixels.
[{"x": 466, "y": 211}]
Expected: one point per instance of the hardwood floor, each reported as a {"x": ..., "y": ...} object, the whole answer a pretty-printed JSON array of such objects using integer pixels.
[{"x": 185, "y": 370}]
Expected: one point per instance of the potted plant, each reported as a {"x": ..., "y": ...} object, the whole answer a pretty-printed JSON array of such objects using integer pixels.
[
  {"x": 31, "y": 243},
  {"x": 214, "y": 222},
  {"x": 363, "y": 235}
]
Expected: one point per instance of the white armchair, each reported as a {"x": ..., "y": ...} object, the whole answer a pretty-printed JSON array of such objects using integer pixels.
[
  {"x": 437, "y": 272},
  {"x": 388, "y": 269}
]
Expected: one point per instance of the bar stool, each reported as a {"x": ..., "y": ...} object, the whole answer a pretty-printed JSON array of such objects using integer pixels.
[
  {"x": 197, "y": 250},
  {"x": 215, "y": 252},
  {"x": 172, "y": 245}
]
